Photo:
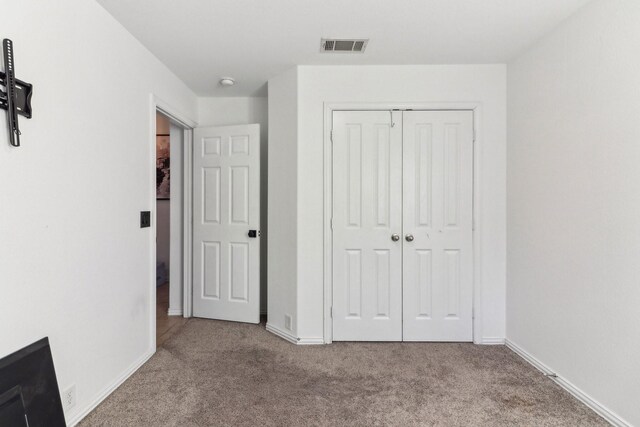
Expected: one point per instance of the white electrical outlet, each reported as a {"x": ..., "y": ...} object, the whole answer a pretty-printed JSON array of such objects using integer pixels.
[
  {"x": 287, "y": 321},
  {"x": 69, "y": 397}
]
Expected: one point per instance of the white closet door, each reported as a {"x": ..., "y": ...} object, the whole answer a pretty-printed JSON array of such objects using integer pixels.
[
  {"x": 437, "y": 217},
  {"x": 367, "y": 212},
  {"x": 226, "y": 206}
]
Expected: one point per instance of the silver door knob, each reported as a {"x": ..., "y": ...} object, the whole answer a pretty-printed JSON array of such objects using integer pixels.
[
  {"x": 409, "y": 237},
  {"x": 395, "y": 237}
]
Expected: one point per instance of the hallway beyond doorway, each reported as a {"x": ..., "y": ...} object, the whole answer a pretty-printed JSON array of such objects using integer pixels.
[{"x": 166, "y": 326}]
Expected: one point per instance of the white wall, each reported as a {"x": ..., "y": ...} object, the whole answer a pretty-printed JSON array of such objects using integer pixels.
[
  {"x": 317, "y": 85},
  {"x": 282, "y": 210},
  {"x": 239, "y": 111},
  {"x": 233, "y": 111},
  {"x": 574, "y": 202},
  {"x": 74, "y": 264}
]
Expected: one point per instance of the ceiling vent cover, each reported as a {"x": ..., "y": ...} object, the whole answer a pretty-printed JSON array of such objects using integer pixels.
[{"x": 344, "y": 45}]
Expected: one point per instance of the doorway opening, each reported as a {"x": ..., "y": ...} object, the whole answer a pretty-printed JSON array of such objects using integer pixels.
[
  {"x": 168, "y": 309},
  {"x": 223, "y": 193},
  {"x": 168, "y": 220}
]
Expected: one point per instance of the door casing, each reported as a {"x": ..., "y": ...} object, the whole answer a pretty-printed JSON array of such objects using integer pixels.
[
  {"x": 187, "y": 124},
  {"x": 329, "y": 108}
]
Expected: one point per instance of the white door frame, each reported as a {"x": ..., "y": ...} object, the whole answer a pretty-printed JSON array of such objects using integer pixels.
[
  {"x": 157, "y": 104},
  {"x": 329, "y": 108}
]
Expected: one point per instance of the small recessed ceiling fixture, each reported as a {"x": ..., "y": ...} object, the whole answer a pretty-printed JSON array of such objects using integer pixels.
[
  {"x": 227, "y": 81},
  {"x": 343, "y": 45}
]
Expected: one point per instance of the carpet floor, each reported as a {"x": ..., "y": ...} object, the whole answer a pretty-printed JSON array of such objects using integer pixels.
[{"x": 214, "y": 373}]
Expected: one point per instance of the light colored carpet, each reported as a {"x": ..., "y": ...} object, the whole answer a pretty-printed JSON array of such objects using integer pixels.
[{"x": 215, "y": 373}]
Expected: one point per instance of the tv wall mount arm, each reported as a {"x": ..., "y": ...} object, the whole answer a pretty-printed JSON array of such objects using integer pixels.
[{"x": 16, "y": 98}]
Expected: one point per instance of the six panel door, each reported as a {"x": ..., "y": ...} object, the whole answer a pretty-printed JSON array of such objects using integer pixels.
[
  {"x": 402, "y": 226},
  {"x": 226, "y": 206}
]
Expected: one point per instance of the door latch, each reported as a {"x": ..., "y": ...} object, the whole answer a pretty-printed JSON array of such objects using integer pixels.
[{"x": 254, "y": 233}]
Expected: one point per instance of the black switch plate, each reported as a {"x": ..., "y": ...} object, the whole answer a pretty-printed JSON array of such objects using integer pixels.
[{"x": 145, "y": 219}]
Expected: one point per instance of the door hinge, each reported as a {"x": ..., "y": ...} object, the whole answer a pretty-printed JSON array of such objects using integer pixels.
[
  {"x": 331, "y": 223},
  {"x": 331, "y": 135},
  {"x": 474, "y": 134},
  {"x": 331, "y": 312}
]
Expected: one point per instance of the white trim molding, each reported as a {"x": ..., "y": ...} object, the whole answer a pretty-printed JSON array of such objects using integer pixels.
[
  {"x": 492, "y": 341},
  {"x": 288, "y": 336},
  {"x": 173, "y": 113},
  {"x": 174, "y": 312},
  {"x": 110, "y": 389},
  {"x": 583, "y": 397},
  {"x": 285, "y": 335},
  {"x": 187, "y": 223},
  {"x": 311, "y": 341}
]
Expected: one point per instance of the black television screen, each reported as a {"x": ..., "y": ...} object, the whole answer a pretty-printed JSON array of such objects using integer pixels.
[{"x": 29, "y": 394}]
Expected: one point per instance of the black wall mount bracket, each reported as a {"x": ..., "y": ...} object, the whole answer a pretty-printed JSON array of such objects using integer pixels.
[{"x": 16, "y": 98}]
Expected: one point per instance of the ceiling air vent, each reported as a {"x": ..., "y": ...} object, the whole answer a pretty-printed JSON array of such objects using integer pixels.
[{"x": 343, "y": 45}]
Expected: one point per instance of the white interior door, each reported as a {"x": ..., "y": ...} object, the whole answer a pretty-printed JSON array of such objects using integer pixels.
[
  {"x": 402, "y": 226},
  {"x": 437, "y": 219},
  {"x": 367, "y": 212},
  {"x": 226, "y": 207}
]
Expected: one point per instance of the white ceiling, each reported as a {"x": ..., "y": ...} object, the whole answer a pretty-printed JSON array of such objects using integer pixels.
[{"x": 254, "y": 40}]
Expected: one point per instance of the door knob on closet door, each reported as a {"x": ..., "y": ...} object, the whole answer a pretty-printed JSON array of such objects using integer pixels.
[
  {"x": 395, "y": 237},
  {"x": 409, "y": 237}
]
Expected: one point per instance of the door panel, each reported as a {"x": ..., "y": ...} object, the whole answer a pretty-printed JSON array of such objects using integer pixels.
[
  {"x": 437, "y": 212},
  {"x": 367, "y": 201},
  {"x": 226, "y": 197}
]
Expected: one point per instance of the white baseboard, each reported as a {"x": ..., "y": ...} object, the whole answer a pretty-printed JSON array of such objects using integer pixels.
[
  {"x": 174, "y": 312},
  {"x": 285, "y": 335},
  {"x": 492, "y": 341},
  {"x": 310, "y": 341},
  {"x": 109, "y": 389},
  {"x": 596, "y": 406}
]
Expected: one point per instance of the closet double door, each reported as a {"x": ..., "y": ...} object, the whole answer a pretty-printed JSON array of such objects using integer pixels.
[{"x": 402, "y": 225}]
